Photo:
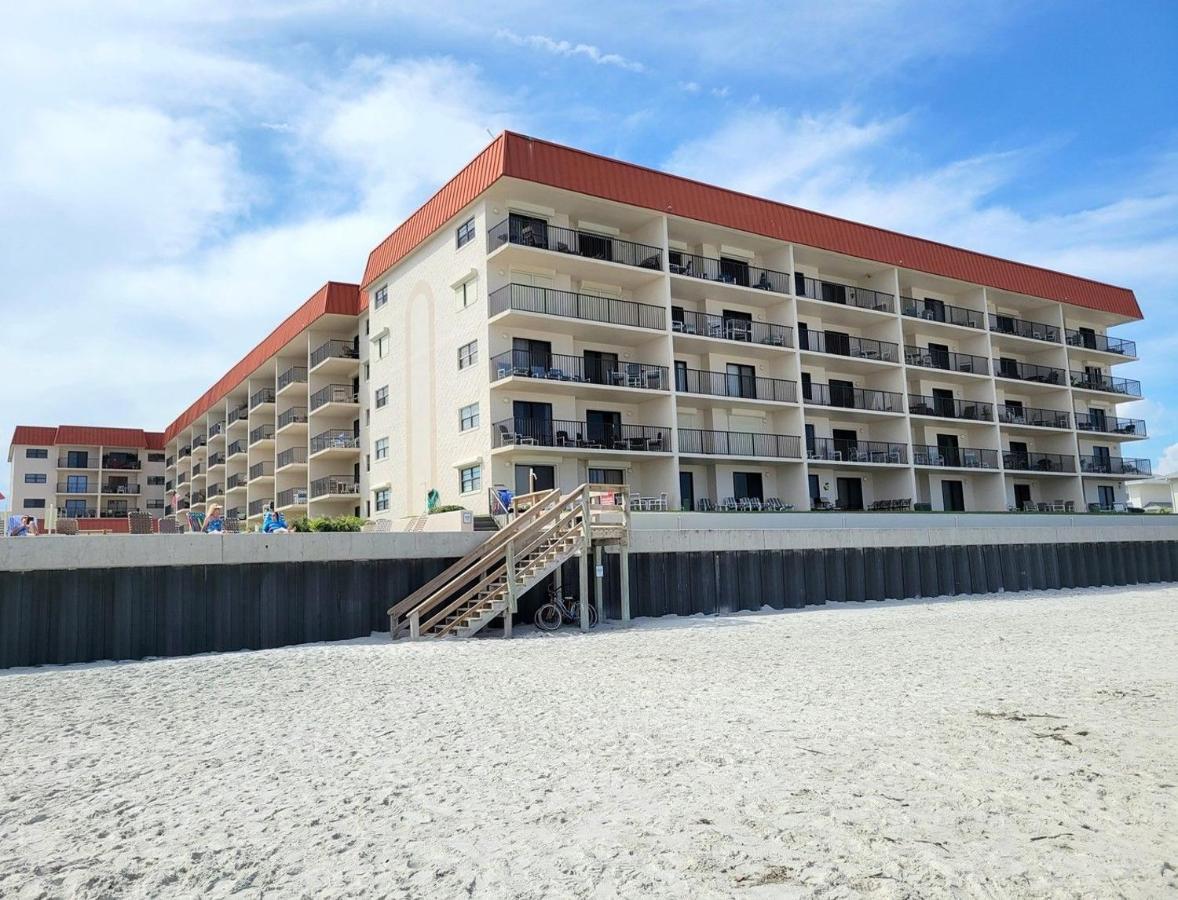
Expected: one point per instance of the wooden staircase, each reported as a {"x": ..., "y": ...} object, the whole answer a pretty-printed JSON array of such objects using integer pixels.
[{"x": 487, "y": 582}]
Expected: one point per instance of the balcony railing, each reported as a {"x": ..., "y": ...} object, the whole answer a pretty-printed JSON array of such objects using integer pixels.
[
  {"x": 235, "y": 447},
  {"x": 257, "y": 507},
  {"x": 261, "y": 433},
  {"x": 198, "y": 497},
  {"x": 262, "y": 469},
  {"x": 171, "y": 461},
  {"x": 333, "y": 393},
  {"x": 946, "y": 360},
  {"x": 1127, "y": 386},
  {"x": 842, "y": 450},
  {"x": 739, "y": 443},
  {"x": 588, "y": 435},
  {"x": 216, "y": 428},
  {"x": 292, "y": 457},
  {"x": 568, "y": 305},
  {"x": 334, "y": 485},
  {"x": 942, "y": 312},
  {"x": 852, "y": 398},
  {"x": 845, "y": 345},
  {"x": 196, "y": 470},
  {"x": 120, "y": 463},
  {"x": 729, "y": 271},
  {"x": 292, "y": 416},
  {"x": 216, "y": 490},
  {"x": 334, "y": 349},
  {"x": 64, "y": 462},
  {"x": 235, "y": 512},
  {"x": 1038, "y": 462},
  {"x": 1115, "y": 465},
  {"x": 1029, "y": 415},
  {"x": 77, "y": 487},
  {"x": 1101, "y": 342},
  {"x": 217, "y": 459},
  {"x": 845, "y": 294},
  {"x": 292, "y": 497},
  {"x": 259, "y": 397},
  {"x": 240, "y": 413},
  {"x": 530, "y": 233},
  {"x": 1009, "y": 368},
  {"x": 237, "y": 481},
  {"x": 1091, "y": 421},
  {"x": 185, "y": 451},
  {"x": 1039, "y": 331},
  {"x": 730, "y": 329},
  {"x": 293, "y": 375},
  {"x": 117, "y": 512},
  {"x": 77, "y": 512},
  {"x": 954, "y": 457},
  {"x": 950, "y": 408},
  {"x": 577, "y": 369},
  {"x": 199, "y": 441},
  {"x": 335, "y": 439},
  {"x": 726, "y": 384}
]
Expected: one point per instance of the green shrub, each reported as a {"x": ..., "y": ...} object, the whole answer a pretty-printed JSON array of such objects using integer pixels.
[
  {"x": 327, "y": 523},
  {"x": 452, "y": 507}
]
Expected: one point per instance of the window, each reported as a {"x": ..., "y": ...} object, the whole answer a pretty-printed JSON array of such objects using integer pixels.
[
  {"x": 382, "y": 396},
  {"x": 466, "y": 293},
  {"x": 382, "y": 346},
  {"x": 382, "y": 448},
  {"x": 367, "y": 462},
  {"x": 367, "y": 373},
  {"x": 36, "y": 453},
  {"x": 468, "y": 355},
  {"x": 382, "y": 500},
  {"x": 155, "y": 479},
  {"x": 468, "y": 417},
  {"x": 155, "y": 457},
  {"x": 34, "y": 504},
  {"x": 466, "y": 232},
  {"x": 381, "y": 297},
  {"x": 470, "y": 479},
  {"x": 367, "y": 417},
  {"x": 35, "y": 479},
  {"x": 77, "y": 484}
]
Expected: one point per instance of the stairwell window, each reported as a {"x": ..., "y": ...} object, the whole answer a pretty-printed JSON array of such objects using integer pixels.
[
  {"x": 466, "y": 293},
  {"x": 381, "y": 297},
  {"x": 381, "y": 344},
  {"x": 468, "y": 417},
  {"x": 468, "y": 355},
  {"x": 382, "y": 448},
  {"x": 36, "y": 453},
  {"x": 382, "y": 500},
  {"x": 34, "y": 478},
  {"x": 465, "y": 233},
  {"x": 470, "y": 479},
  {"x": 382, "y": 396}
]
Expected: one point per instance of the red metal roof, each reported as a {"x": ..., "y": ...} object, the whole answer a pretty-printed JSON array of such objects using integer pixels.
[
  {"x": 530, "y": 159},
  {"x": 87, "y": 435},
  {"x": 34, "y": 436},
  {"x": 334, "y": 298}
]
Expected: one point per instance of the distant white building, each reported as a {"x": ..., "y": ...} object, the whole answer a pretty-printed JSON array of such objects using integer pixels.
[{"x": 1153, "y": 494}]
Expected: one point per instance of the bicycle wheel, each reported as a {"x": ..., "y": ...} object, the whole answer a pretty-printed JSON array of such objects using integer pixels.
[
  {"x": 548, "y": 617},
  {"x": 592, "y": 616}
]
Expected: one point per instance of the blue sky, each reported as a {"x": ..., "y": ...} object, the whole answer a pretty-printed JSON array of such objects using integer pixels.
[{"x": 176, "y": 177}]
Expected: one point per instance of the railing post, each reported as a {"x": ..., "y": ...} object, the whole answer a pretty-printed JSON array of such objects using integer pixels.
[
  {"x": 511, "y": 585},
  {"x": 586, "y": 541},
  {"x": 414, "y": 625}
]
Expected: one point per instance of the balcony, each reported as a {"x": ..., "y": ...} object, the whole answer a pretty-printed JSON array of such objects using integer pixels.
[
  {"x": 117, "y": 512},
  {"x": 573, "y": 435},
  {"x": 291, "y": 497},
  {"x": 78, "y": 512},
  {"x": 840, "y": 344},
  {"x": 946, "y": 360},
  {"x": 852, "y": 398},
  {"x": 843, "y": 294},
  {"x": 954, "y": 457},
  {"x": 295, "y": 456},
  {"x": 334, "y": 396},
  {"x": 1106, "y": 383},
  {"x": 235, "y": 512},
  {"x": 235, "y": 447},
  {"x": 216, "y": 490},
  {"x": 292, "y": 376},
  {"x": 215, "y": 429},
  {"x": 216, "y": 459},
  {"x": 196, "y": 470},
  {"x": 264, "y": 469},
  {"x": 1019, "y": 371},
  {"x": 77, "y": 487},
  {"x": 943, "y": 313},
  {"x": 733, "y": 385},
  {"x": 1115, "y": 465},
  {"x": 334, "y": 486},
  {"x": 729, "y": 271},
  {"x": 726, "y": 328},
  {"x": 258, "y": 507},
  {"x": 237, "y": 481},
  {"x": 239, "y": 414},
  {"x": 262, "y": 397},
  {"x": 700, "y": 442},
  {"x": 121, "y": 463},
  {"x": 336, "y": 441},
  {"x": 568, "y": 305},
  {"x": 1036, "y": 331},
  {"x": 1038, "y": 462},
  {"x": 199, "y": 441},
  {"x": 950, "y": 408},
  {"x": 1094, "y": 421},
  {"x": 66, "y": 462},
  {"x": 560, "y": 369},
  {"x": 296, "y": 415},
  {"x": 198, "y": 497},
  {"x": 840, "y": 450},
  {"x": 185, "y": 452},
  {"x": 171, "y": 462},
  {"x": 1089, "y": 340},
  {"x": 261, "y": 433},
  {"x": 1029, "y": 415},
  {"x": 535, "y": 233},
  {"x": 335, "y": 356}
]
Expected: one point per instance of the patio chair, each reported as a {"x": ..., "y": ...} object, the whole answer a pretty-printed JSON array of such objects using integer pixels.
[
  {"x": 168, "y": 526},
  {"x": 773, "y": 504},
  {"x": 383, "y": 526},
  {"x": 1095, "y": 508},
  {"x": 703, "y": 504},
  {"x": 729, "y": 504},
  {"x": 137, "y": 523},
  {"x": 512, "y": 437},
  {"x": 563, "y": 439},
  {"x": 744, "y": 504},
  {"x": 67, "y": 526},
  {"x": 1069, "y": 506}
]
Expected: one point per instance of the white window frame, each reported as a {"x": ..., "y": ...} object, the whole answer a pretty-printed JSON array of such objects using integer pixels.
[
  {"x": 472, "y": 355},
  {"x": 465, "y": 233},
  {"x": 380, "y": 397},
  {"x": 381, "y": 448},
  {"x": 380, "y": 297},
  {"x": 381, "y": 498},
  {"x": 468, "y": 417},
  {"x": 466, "y": 293},
  {"x": 475, "y": 476}
]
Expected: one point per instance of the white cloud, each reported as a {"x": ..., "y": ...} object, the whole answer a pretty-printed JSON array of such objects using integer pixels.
[
  {"x": 1168, "y": 461},
  {"x": 566, "y": 48}
]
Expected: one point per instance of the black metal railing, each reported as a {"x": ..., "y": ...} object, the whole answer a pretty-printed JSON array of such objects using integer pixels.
[
  {"x": 196, "y": 469},
  {"x": 1039, "y": 331},
  {"x": 532, "y": 233},
  {"x": 728, "y": 384},
  {"x": 182, "y": 478},
  {"x": 954, "y": 457},
  {"x": 118, "y": 462},
  {"x": 217, "y": 459},
  {"x": 942, "y": 312},
  {"x": 1038, "y": 462},
  {"x": 730, "y": 329},
  {"x": 235, "y": 447},
  {"x": 257, "y": 507},
  {"x": 1115, "y": 465},
  {"x": 117, "y": 512},
  {"x": 1029, "y": 415},
  {"x": 333, "y": 393},
  {"x": 334, "y": 485},
  {"x": 77, "y": 487},
  {"x": 262, "y": 469},
  {"x": 596, "y": 435},
  {"x": 846, "y": 450},
  {"x": 171, "y": 461},
  {"x": 852, "y": 397},
  {"x": 1009, "y": 368},
  {"x": 78, "y": 513},
  {"x": 846, "y": 345},
  {"x": 845, "y": 294},
  {"x": 198, "y": 497},
  {"x": 1089, "y": 382},
  {"x": 729, "y": 271},
  {"x": 237, "y": 481},
  {"x": 216, "y": 490},
  {"x": 334, "y": 348},
  {"x": 335, "y": 439},
  {"x": 293, "y": 375},
  {"x": 261, "y": 433},
  {"x": 578, "y": 369},
  {"x": 292, "y": 416},
  {"x": 263, "y": 395},
  {"x": 239, "y": 413},
  {"x": 739, "y": 443},
  {"x": 950, "y": 408},
  {"x": 215, "y": 429},
  {"x": 199, "y": 441},
  {"x": 1103, "y": 342},
  {"x": 1096, "y": 421},
  {"x": 946, "y": 360},
  {"x": 292, "y": 497},
  {"x": 185, "y": 451},
  {"x": 292, "y": 456},
  {"x": 569, "y": 305},
  {"x": 64, "y": 462}
]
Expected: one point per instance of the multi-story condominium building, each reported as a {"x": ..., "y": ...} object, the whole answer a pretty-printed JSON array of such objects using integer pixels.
[{"x": 86, "y": 472}]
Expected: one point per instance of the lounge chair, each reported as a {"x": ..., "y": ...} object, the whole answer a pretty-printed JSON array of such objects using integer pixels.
[
  {"x": 773, "y": 504},
  {"x": 137, "y": 523},
  {"x": 168, "y": 526},
  {"x": 512, "y": 437},
  {"x": 67, "y": 525},
  {"x": 703, "y": 504},
  {"x": 729, "y": 504}
]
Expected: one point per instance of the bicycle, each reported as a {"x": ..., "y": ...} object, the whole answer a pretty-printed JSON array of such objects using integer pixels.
[{"x": 562, "y": 611}]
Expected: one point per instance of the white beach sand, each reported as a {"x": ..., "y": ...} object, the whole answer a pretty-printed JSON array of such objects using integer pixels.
[{"x": 1017, "y": 745}]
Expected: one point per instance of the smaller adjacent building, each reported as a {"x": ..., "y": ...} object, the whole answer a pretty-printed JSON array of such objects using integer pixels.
[{"x": 1153, "y": 494}]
